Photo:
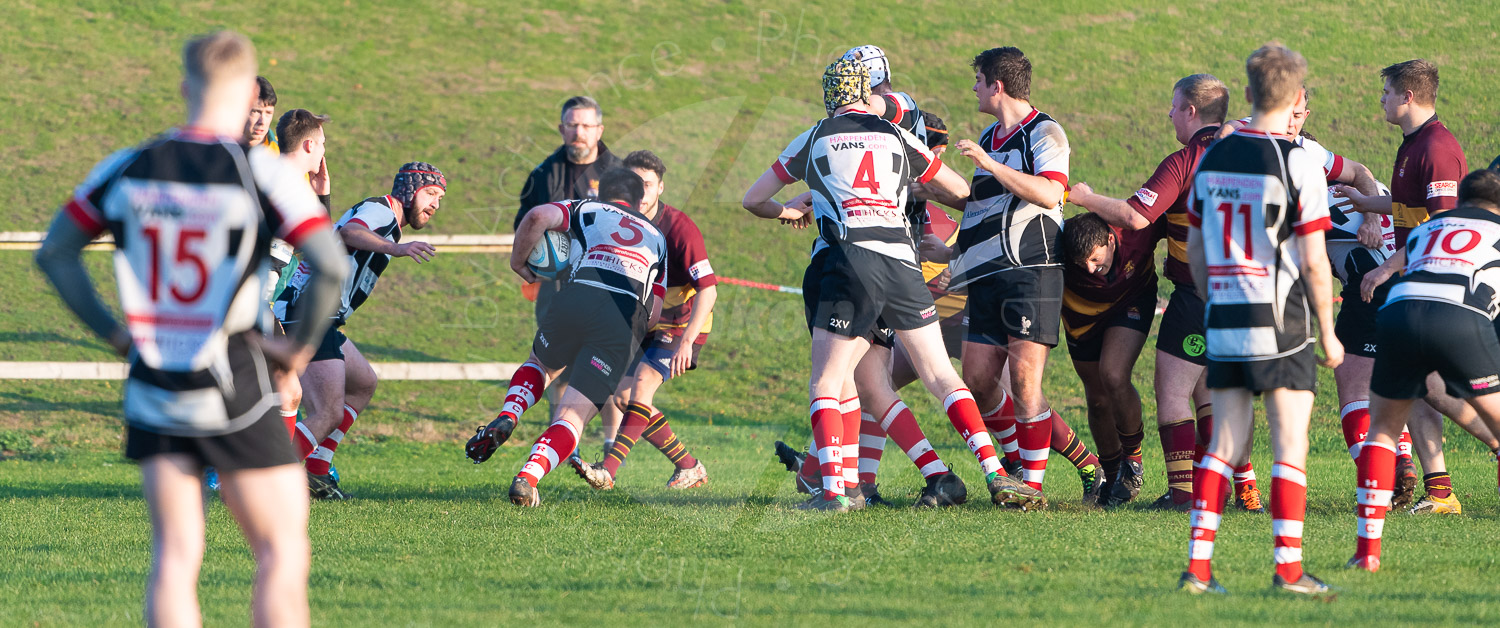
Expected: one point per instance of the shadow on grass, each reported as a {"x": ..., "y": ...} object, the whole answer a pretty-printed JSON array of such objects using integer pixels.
[
  {"x": 86, "y": 490},
  {"x": 382, "y": 353},
  {"x": 13, "y": 402},
  {"x": 30, "y": 337}
]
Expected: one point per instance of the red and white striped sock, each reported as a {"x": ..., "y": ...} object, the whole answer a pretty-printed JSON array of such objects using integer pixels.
[
  {"x": 1035, "y": 435},
  {"x": 1403, "y": 447},
  {"x": 528, "y": 381},
  {"x": 1210, "y": 481},
  {"x": 1354, "y": 417},
  {"x": 1001, "y": 421},
  {"x": 964, "y": 415},
  {"x": 871, "y": 447},
  {"x": 849, "y": 408},
  {"x": 810, "y": 466},
  {"x": 553, "y": 446},
  {"x": 1376, "y": 483},
  {"x": 322, "y": 458},
  {"x": 302, "y": 439},
  {"x": 828, "y": 435},
  {"x": 1244, "y": 475},
  {"x": 289, "y": 417},
  {"x": 1288, "y": 507},
  {"x": 902, "y": 426}
]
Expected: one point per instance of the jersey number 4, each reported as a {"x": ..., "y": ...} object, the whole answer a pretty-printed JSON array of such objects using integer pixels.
[
  {"x": 865, "y": 176},
  {"x": 186, "y": 257}
]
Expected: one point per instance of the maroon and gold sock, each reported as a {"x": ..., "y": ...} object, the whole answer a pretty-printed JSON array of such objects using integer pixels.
[
  {"x": 631, "y": 426},
  {"x": 1065, "y": 441},
  {"x": 1177, "y": 449},
  {"x": 660, "y": 434},
  {"x": 1131, "y": 443},
  {"x": 1438, "y": 485}
]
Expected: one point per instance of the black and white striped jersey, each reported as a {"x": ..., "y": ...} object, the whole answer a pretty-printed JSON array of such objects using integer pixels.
[
  {"x": 192, "y": 215},
  {"x": 1349, "y": 259},
  {"x": 860, "y": 168},
  {"x": 1252, "y": 193},
  {"x": 614, "y": 248},
  {"x": 377, "y": 214},
  {"x": 1001, "y": 231},
  {"x": 1454, "y": 258}
]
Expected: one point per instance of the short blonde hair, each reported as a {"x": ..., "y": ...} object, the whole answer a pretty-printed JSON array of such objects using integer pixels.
[
  {"x": 221, "y": 54},
  {"x": 1276, "y": 74},
  {"x": 1207, "y": 94}
]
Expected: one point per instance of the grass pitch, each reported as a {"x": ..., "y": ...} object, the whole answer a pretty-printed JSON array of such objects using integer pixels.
[{"x": 716, "y": 89}]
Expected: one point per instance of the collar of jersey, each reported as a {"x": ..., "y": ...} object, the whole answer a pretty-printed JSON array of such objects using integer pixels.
[
  {"x": 856, "y": 111},
  {"x": 996, "y": 144},
  {"x": 1422, "y": 127},
  {"x": 1254, "y": 133},
  {"x": 195, "y": 134}
]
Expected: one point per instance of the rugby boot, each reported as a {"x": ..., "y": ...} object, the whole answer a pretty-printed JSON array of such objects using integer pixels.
[
  {"x": 872, "y": 495},
  {"x": 691, "y": 477},
  {"x": 817, "y": 503},
  {"x": 1308, "y": 584},
  {"x": 1438, "y": 506},
  {"x": 1093, "y": 484},
  {"x": 943, "y": 489},
  {"x": 1247, "y": 498},
  {"x": 1127, "y": 484},
  {"x": 325, "y": 488},
  {"x": 1190, "y": 583},
  {"x": 523, "y": 494},
  {"x": 489, "y": 438},
  {"x": 1367, "y": 563},
  {"x": 1407, "y": 482},
  {"x": 1008, "y": 491},
  {"x": 595, "y": 475},
  {"x": 1167, "y": 502}
]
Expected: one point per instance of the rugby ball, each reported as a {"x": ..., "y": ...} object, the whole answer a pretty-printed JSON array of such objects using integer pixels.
[{"x": 549, "y": 258}]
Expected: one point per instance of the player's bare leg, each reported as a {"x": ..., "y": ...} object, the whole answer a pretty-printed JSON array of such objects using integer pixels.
[
  {"x": 1176, "y": 384},
  {"x": 1426, "y": 427},
  {"x": 613, "y": 412},
  {"x": 1353, "y": 380},
  {"x": 359, "y": 387},
  {"x": 174, "y": 498},
  {"x": 271, "y": 508},
  {"x": 322, "y": 404},
  {"x": 1114, "y": 406},
  {"x": 555, "y": 444}
]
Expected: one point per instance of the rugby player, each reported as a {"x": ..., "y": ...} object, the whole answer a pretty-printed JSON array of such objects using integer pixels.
[
  {"x": 1006, "y": 254},
  {"x": 1257, "y": 210},
  {"x": 1109, "y": 302},
  {"x": 873, "y": 375},
  {"x": 1199, "y": 104},
  {"x": 593, "y": 327},
  {"x": 868, "y": 272},
  {"x": 672, "y": 347},
  {"x": 198, "y": 392},
  {"x": 339, "y": 381},
  {"x": 1439, "y": 316},
  {"x": 258, "y": 127},
  {"x": 1424, "y": 180}
]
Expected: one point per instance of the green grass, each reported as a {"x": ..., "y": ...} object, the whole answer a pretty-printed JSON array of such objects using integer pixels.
[{"x": 716, "y": 89}]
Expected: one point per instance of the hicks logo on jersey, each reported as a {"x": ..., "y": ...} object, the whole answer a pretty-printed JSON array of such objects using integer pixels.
[{"x": 1146, "y": 196}]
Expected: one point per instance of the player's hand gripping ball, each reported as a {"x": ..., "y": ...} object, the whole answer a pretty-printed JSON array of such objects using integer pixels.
[{"x": 549, "y": 258}]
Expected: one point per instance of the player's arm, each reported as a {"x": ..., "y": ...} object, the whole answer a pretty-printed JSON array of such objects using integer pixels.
[
  {"x": 706, "y": 298},
  {"x": 358, "y": 236},
  {"x": 948, "y": 187},
  {"x": 758, "y": 199},
  {"x": 324, "y": 253},
  {"x": 1318, "y": 275},
  {"x": 1197, "y": 260},
  {"x": 1373, "y": 279},
  {"x": 1116, "y": 212},
  {"x": 1227, "y": 129},
  {"x": 1368, "y": 203},
  {"x": 1357, "y": 175},
  {"x": 61, "y": 260},
  {"x": 322, "y": 185},
  {"x": 540, "y": 219},
  {"x": 1035, "y": 189}
]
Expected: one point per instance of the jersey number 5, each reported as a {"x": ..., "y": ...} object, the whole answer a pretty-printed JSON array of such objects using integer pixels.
[
  {"x": 185, "y": 257},
  {"x": 628, "y": 224}
]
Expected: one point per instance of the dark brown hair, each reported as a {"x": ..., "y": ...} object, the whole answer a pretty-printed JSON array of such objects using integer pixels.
[
  {"x": 297, "y": 125},
  {"x": 1009, "y": 66},
  {"x": 646, "y": 160}
]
